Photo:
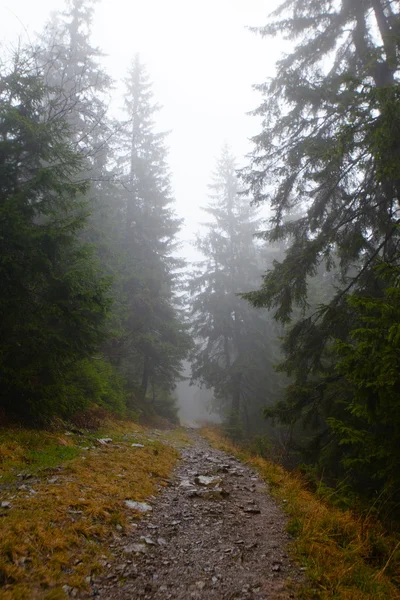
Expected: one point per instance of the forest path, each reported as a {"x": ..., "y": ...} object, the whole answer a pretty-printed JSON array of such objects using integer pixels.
[{"x": 213, "y": 533}]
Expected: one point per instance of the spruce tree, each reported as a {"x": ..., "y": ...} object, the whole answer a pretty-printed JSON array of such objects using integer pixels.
[
  {"x": 328, "y": 149},
  {"x": 72, "y": 65},
  {"x": 72, "y": 68},
  {"x": 235, "y": 343},
  {"x": 155, "y": 340},
  {"x": 368, "y": 363},
  {"x": 53, "y": 301}
]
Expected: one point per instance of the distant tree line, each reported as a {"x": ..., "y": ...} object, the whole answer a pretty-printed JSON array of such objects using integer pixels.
[{"x": 89, "y": 309}]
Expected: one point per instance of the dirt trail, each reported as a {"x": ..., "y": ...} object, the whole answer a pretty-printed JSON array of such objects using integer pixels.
[{"x": 214, "y": 533}]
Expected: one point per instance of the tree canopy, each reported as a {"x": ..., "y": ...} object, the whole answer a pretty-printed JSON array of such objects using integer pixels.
[
  {"x": 90, "y": 302},
  {"x": 327, "y": 164}
]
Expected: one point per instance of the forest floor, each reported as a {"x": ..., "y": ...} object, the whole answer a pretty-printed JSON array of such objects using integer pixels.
[
  {"x": 132, "y": 513},
  {"x": 214, "y": 532}
]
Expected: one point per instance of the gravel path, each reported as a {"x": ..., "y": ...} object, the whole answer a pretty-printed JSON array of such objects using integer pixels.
[{"x": 213, "y": 533}]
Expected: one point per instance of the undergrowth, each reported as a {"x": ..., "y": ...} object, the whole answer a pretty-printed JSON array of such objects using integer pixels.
[
  {"x": 25, "y": 451},
  {"x": 57, "y": 529},
  {"x": 347, "y": 557}
]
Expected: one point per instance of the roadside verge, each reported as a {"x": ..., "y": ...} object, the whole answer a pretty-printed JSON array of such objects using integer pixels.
[{"x": 64, "y": 501}]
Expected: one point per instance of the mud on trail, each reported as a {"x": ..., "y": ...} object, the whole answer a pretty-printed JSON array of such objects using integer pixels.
[{"x": 213, "y": 533}]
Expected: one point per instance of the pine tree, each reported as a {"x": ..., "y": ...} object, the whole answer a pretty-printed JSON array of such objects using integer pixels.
[
  {"x": 369, "y": 363},
  {"x": 235, "y": 342},
  {"x": 155, "y": 340},
  {"x": 53, "y": 302},
  {"x": 72, "y": 66},
  {"x": 329, "y": 147}
]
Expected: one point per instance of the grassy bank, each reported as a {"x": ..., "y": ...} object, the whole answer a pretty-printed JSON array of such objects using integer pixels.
[
  {"x": 66, "y": 496},
  {"x": 346, "y": 557}
]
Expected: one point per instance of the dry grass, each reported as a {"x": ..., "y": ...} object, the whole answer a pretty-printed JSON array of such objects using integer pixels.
[
  {"x": 59, "y": 535},
  {"x": 346, "y": 557},
  {"x": 178, "y": 437}
]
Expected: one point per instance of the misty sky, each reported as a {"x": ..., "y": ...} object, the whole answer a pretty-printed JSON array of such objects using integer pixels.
[{"x": 202, "y": 61}]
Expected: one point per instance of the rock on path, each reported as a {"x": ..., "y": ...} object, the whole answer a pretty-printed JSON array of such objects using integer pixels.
[{"x": 214, "y": 533}]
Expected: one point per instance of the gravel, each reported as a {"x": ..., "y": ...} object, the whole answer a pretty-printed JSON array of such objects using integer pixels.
[{"x": 219, "y": 536}]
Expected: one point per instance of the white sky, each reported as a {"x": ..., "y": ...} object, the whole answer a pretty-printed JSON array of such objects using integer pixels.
[{"x": 202, "y": 62}]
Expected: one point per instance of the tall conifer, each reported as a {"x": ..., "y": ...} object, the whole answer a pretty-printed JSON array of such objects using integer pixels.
[
  {"x": 328, "y": 151},
  {"x": 155, "y": 340},
  {"x": 235, "y": 343}
]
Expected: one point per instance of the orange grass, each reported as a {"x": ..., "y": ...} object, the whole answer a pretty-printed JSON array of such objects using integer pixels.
[
  {"x": 59, "y": 535},
  {"x": 346, "y": 557}
]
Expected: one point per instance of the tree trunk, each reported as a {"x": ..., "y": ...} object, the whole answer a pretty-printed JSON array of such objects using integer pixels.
[
  {"x": 145, "y": 378},
  {"x": 235, "y": 406}
]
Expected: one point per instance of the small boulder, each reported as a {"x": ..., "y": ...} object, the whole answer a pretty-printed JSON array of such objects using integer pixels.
[
  {"x": 147, "y": 540},
  {"x": 185, "y": 483},
  {"x": 104, "y": 441},
  {"x": 252, "y": 510},
  {"x": 141, "y": 507},
  {"x": 135, "y": 549},
  {"x": 207, "y": 480}
]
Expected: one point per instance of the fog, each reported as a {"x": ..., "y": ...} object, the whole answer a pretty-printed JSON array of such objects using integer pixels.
[
  {"x": 203, "y": 63},
  {"x": 195, "y": 403},
  {"x": 200, "y": 224}
]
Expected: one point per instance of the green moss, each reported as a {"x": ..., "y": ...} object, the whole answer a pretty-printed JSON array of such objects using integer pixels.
[{"x": 30, "y": 451}]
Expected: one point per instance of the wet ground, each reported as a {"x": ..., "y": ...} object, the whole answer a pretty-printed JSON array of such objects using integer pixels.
[{"x": 213, "y": 533}]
